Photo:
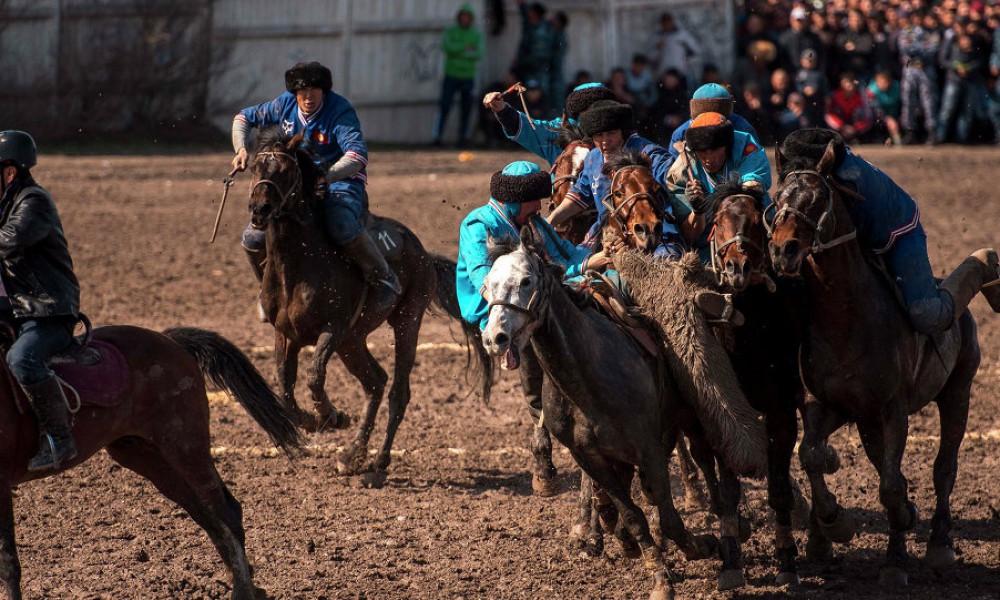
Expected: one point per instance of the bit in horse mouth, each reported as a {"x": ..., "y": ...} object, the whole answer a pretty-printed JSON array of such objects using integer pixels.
[{"x": 511, "y": 359}]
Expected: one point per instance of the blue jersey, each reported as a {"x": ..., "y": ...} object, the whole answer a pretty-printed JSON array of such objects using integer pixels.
[
  {"x": 332, "y": 132},
  {"x": 542, "y": 140},
  {"x": 592, "y": 187},
  {"x": 739, "y": 124},
  {"x": 887, "y": 211},
  {"x": 493, "y": 221}
]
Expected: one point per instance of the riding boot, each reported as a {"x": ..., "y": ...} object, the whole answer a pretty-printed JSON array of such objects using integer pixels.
[
  {"x": 55, "y": 440},
  {"x": 719, "y": 308},
  {"x": 384, "y": 285},
  {"x": 257, "y": 260},
  {"x": 968, "y": 279}
]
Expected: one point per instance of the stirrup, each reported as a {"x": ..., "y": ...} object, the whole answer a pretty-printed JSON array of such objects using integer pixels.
[
  {"x": 53, "y": 462},
  {"x": 392, "y": 284}
]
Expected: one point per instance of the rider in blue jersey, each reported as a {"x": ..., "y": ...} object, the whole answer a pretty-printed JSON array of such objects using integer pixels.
[
  {"x": 888, "y": 223},
  {"x": 331, "y": 129}
]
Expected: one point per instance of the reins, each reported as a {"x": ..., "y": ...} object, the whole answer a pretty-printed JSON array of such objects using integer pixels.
[{"x": 818, "y": 226}]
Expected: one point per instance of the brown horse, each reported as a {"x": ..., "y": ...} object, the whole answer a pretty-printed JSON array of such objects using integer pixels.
[
  {"x": 875, "y": 381},
  {"x": 313, "y": 295},
  {"x": 159, "y": 429},
  {"x": 635, "y": 203},
  {"x": 765, "y": 349},
  {"x": 565, "y": 171}
]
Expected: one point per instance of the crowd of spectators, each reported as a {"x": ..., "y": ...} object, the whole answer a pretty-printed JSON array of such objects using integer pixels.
[{"x": 894, "y": 71}]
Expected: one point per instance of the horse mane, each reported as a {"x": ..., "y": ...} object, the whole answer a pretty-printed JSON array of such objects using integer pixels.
[
  {"x": 313, "y": 176},
  {"x": 732, "y": 187},
  {"x": 500, "y": 246},
  {"x": 625, "y": 158},
  {"x": 570, "y": 133},
  {"x": 795, "y": 163}
]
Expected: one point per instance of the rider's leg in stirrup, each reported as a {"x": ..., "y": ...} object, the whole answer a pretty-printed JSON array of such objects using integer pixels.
[{"x": 255, "y": 245}]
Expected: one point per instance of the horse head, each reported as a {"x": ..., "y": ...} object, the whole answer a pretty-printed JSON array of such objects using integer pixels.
[
  {"x": 280, "y": 170},
  {"x": 517, "y": 289},
  {"x": 566, "y": 169},
  {"x": 738, "y": 235},
  {"x": 634, "y": 204},
  {"x": 805, "y": 212}
]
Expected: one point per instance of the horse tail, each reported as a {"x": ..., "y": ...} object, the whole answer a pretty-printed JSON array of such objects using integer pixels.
[
  {"x": 229, "y": 369},
  {"x": 446, "y": 299}
]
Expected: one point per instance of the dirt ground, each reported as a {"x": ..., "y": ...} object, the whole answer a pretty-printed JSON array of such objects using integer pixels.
[{"x": 456, "y": 517}]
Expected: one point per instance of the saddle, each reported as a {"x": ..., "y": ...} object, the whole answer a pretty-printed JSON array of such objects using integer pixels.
[
  {"x": 620, "y": 310},
  {"x": 93, "y": 372}
]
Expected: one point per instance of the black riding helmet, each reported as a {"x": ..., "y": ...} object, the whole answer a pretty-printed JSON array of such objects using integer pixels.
[{"x": 18, "y": 148}]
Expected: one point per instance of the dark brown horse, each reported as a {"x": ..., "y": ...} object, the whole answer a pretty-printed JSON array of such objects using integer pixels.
[
  {"x": 765, "y": 349},
  {"x": 565, "y": 171},
  {"x": 159, "y": 429},
  {"x": 874, "y": 381},
  {"x": 313, "y": 295}
]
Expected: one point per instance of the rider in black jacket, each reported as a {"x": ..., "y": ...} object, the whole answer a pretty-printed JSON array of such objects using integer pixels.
[{"x": 39, "y": 287}]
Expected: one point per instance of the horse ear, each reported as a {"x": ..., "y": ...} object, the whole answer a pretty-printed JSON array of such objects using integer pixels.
[
  {"x": 825, "y": 164},
  {"x": 779, "y": 159},
  {"x": 296, "y": 141},
  {"x": 528, "y": 237}
]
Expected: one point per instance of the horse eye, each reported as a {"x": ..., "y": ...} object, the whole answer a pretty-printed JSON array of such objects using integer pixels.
[{"x": 526, "y": 282}]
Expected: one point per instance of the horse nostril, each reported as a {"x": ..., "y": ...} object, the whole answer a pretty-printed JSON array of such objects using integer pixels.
[
  {"x": 790, "y": 249},
  {"x": 730, "y": 267},
  {"x": 502, "y": 339},
  {"x": 640, "y": 229}
]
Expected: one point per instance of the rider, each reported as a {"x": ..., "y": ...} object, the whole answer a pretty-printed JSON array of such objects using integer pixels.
[
  {"x": 713, "y": 152},
  {"x": 516, "y": 195},
  {"x": 543, "y": 138},
  {"x": 710, "y": 97},
  {"x": 332, "y": 131},
  {"x": 36, "y": 283},
  {"x": 611, "y": 125},
  {"x": 888, "y": 223}
]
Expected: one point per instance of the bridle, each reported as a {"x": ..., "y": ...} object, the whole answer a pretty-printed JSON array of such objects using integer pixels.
[
  {"x": 819, "y": 226},
  {"x": 621, "y": 212},
  {"x": 742, "y": 242},
  {"x": 287, "y": 194},
  {"x": 537, "y": 304}
]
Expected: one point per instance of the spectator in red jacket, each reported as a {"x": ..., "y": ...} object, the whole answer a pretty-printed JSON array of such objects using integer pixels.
[{"x": 847, "y": 110}]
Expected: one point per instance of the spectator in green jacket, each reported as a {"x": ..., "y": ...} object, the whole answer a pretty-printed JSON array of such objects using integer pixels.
[{"x": 463, "y": 47}]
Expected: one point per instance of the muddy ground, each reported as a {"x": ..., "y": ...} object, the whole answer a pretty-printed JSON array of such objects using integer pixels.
[{"x": 456, "y": 517}]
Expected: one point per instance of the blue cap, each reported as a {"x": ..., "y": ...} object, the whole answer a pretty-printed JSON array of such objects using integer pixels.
[
  {"x": 711, "y": 90},
  {"x": 587, "y": 86},
  {"x": 521, "y": 167}
]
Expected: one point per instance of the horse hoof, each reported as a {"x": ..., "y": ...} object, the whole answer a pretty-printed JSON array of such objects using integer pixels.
[
  {"x": 939, "y": 557},
  {"x": 306, "y": 421},
  {"x": 545, "y": 487},
  {"x": 374, "y": 480},
  {"x": 841, "y": 530},
  {"x": 731, "y": 579},
  {"x": 333, "y": 421},
  {"x": 352, "y": 462},
  {"x": 787, "y": 578},
  {"x": 831, "y": 462},
  {"x": 892, "y": 577}
]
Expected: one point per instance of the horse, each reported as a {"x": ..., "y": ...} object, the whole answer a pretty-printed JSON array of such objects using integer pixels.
[
  {"x": 765, "y": 349},
  {"x": 872, "y": 381},
  {"x": 565, "y": 171},
  {"x": 616, "y": 408},
  {"x": 159, "y": 429},
  {"x": 311, "y": 294}
]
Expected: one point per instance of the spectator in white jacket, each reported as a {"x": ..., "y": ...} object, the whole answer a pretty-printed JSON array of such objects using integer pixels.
[{"x": 672, "y": 47}]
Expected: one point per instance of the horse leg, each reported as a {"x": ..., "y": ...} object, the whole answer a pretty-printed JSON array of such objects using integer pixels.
[
  {"x": 586, "y": 533},
  {"x": 704, "y": 457},
  {"x": 329, "y": 416},
  {"x": 362, "y": 365},
  {"x": 782, "y": 430},
  {"x": 406, "y": 330},
  {"x": 694, "y": 497},
  {"x": 286, "y": 356},
  {"x": 188, "y": 477},
  {"x": 731, "y": 577},
  {"x": 10, "y": 565},
  {"x": 543, "y": 472},
  {"x": 609, "y": 478},
  {"x": 828, "y": 521},
  {"x": 953, "y": 408},
  {"x": 892, "y": 490}
]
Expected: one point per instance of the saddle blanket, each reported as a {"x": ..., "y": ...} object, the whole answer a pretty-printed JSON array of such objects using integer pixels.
[
  {"x": 386, "y": 236},
  {"x": 99, "y": 374}
]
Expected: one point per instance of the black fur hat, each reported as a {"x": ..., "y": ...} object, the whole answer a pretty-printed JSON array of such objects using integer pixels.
[
  {"x": 514, "y": 189},
  {"x": 581, "y": 98},
  {"x": 709, "y": 130},
  {"x": 811, "y": 144},
  {"x": 306, "y": 75},
  {"x": 607, "y": 115}
]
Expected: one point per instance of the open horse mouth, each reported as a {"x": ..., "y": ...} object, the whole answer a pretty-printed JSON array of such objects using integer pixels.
[{"x": 511, "y": 359}]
